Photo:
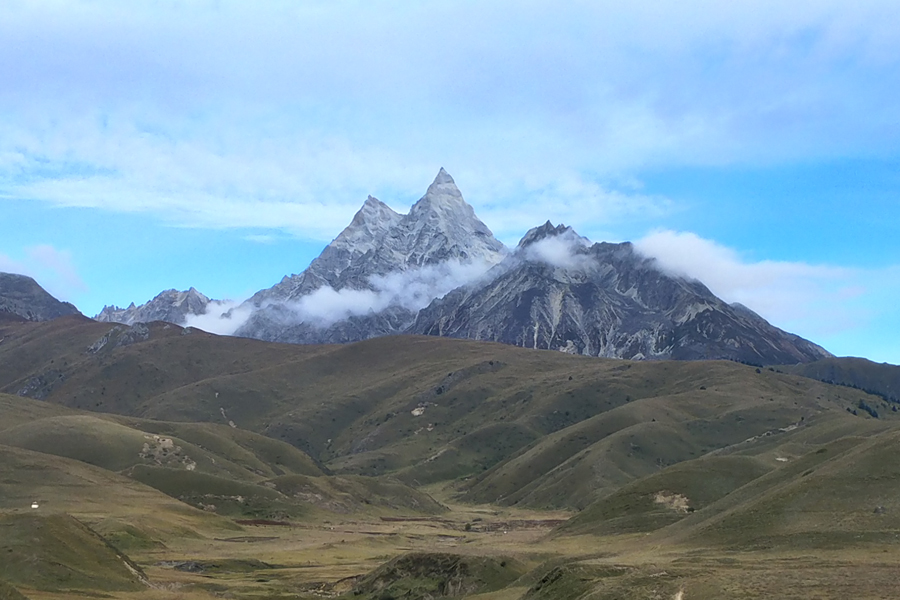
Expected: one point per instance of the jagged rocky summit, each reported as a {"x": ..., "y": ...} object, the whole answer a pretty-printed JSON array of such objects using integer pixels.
[
  {"x": 22, "y": 297},
  {"x": 438, "y": 270},
  {"x": 440, "y": 229},
  {"x": 171, "y": 306}
]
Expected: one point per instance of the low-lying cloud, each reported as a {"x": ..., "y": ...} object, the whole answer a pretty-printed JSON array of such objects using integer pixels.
[
  {"x": 564, "y": 251},
  {"x": 222, "y": 317},
  {"x": 413, "y": 290},
  {"x": 800, "y": 296}
]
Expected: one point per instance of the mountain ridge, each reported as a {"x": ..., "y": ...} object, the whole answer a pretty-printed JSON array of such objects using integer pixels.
[
  {"x": 172, "y": 306},
  {"x": 438, "y": 270},
  {"x": 440, "y": 231},
  {"x": 557, "y": 292}
]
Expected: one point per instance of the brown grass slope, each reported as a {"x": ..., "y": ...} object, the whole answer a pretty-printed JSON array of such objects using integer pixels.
[{"x": 536, "y": 428}]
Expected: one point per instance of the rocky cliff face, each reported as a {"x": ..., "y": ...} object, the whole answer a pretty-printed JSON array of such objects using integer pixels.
[
  {"x": 22, "y": 297},
  {"x": 396, "y": 263},
  {"x": 558, "y": 292},
  {"x": 171, "y": 306}
]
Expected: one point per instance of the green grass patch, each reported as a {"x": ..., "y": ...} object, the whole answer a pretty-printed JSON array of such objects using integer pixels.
[{"x": 57, "y": 552}]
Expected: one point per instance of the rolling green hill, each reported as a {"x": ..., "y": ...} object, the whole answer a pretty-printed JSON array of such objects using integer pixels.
[
  {"x": 57, "y": 552},
  {"x": 805, "y": 491},
  {"x": 531, "y": 428},
  {"x": 221, "y": 469}
]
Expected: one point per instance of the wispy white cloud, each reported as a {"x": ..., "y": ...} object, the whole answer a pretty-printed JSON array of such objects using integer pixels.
[
  {"x": 562, "y": 251},
  {"x": 816, "y": 301},
  {"x": 412, "y": 289},
  {"x": 222, "y": 317},
  {"x": 261, "y": 238},
  {"x": 286, "y": 115}
]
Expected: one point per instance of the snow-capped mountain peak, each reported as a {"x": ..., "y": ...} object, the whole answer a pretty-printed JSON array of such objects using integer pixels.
[
  {"x": 438, "y": 270},
  {"x": 368, "y": 227},
  {"x": 547, "y": 230}
]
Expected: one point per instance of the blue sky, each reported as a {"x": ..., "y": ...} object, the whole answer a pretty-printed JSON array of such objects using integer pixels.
[{"x": 222, "y": 144}]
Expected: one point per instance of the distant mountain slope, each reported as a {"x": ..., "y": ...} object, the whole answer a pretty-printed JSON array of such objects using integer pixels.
[
  {"x": 881, "y": 379},
  {"x": 557, "y": 292},
  {"x": 21, "y": 295},
  {"x": 170, "y": 306}
]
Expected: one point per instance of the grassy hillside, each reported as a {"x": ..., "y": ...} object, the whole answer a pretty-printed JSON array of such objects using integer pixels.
[
  {"x": 533, "y": 428},
  {"x": 103, "y": 442},
  {"x": 665, "y": 497},
  {"x": 845, "y": 495},
  {"x": 57, "y": 552},
  {"x": 97, "y": 497},
  {"x": 8, "y": 592},
  {"x": 221, "y": 469}
]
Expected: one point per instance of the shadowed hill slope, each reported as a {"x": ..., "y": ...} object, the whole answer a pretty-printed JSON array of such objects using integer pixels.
[
  {"x": 8, "y": 592},
  {"x": 880, "y": 379},
  {"x": 21, "y": 296}
]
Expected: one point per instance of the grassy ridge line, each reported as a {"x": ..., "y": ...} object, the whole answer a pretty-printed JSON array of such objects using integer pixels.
[
  {"x": 16, "y": 410},
  {"x": 103, "y": 440},
  {"x": 262, "y": 455},
  {"x": 878, "y": 379},
  {"x": 580, "y": 463},
  {"x": 642, "y": 505},
  {"x": 845, "y": 495},
  {"x": 735, "y": 518}
]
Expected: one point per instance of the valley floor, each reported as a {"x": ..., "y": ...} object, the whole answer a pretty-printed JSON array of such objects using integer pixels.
[{"x": 327, "y": 559}]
